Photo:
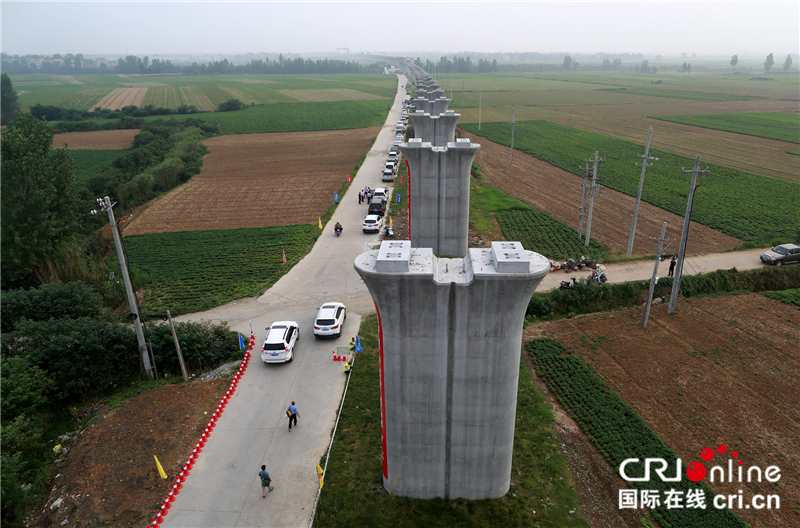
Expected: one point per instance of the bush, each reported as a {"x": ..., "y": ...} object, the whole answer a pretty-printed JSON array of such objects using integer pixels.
[
  {"x": 203, "y": 345},
  {"x": 54, "y": 300}
]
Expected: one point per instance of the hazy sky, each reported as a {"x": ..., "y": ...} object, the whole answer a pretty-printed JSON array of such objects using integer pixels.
[{"x": 150, "y": 28}]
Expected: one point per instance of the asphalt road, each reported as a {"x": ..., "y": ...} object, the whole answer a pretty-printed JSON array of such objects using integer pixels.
[{"x": 223, "y": 489}]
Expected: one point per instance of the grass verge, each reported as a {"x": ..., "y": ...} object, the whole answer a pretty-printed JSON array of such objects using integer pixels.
[{"x": 541, "y": 493}]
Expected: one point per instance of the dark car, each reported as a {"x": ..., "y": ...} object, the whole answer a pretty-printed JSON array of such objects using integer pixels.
[
  {"x": 377, "y": 206},
  {"x": 783, "y": 254}
]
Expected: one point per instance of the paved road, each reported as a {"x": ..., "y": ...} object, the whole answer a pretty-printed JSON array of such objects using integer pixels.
[{"x": 223, "y": 489}]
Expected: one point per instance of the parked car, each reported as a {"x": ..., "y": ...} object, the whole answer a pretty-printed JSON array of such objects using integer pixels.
[
  {"x": 392, "y": 165},
  {"x": 279, "y": 343},
  {"x": 372, "y": 224},
  {"x": 382, "y": 192},
  {"x": 330, "y": 319},
  {"x": 377, "y": 206},
  {"x": 783, "y": 254},
  {"x": 393, "y": 157}
]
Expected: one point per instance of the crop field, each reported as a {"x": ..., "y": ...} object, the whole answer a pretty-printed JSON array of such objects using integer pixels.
[
  {"x": 203, "y": 91},
  {"x": 544, "y": 234},
  {"x": 722, "y": 370},
  {"x": 121, "y": 97},
  {"x": 259, "y": 180},
  {"x": 753, "y": 218},
  {"x": 677, "y": 94},
  {"x": 336, "y": 94},
  {"x": 101, "y": 140},
  {"x": 197, "y": 270},
  {"x": 777, "y": 126},
  {"x": 558, "y": 192},
  {"x": 90, "y": 164}
]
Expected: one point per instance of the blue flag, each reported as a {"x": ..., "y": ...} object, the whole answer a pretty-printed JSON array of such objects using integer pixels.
[
  {"x": 358, "y": 345},
  {"x": 398, "y": 197},
  {"x": 241, "y": 342},
  {"x": 335, "y": 197}
]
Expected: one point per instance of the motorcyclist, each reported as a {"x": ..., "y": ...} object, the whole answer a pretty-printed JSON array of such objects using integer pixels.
[
  {"x": 338, "y": 227},
  {"x": 570, "y": 264}
]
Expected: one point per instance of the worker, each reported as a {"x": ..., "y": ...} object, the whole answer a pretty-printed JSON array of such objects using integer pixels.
[
  {"x": 348, "y": 367},
  {"x": 352, "y": 345}
]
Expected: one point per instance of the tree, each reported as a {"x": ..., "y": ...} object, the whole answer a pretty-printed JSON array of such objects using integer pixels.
[
  {"x": 230, "y": 105},
  {"x": 734, "y": 61},
  {"x": 8, "y": 100},
  {"x": 567, "y": 62},
  {"x": 787, "y": 64},
  {"x": 768, "y": 63},
  {"x": 39, "y": 207}
]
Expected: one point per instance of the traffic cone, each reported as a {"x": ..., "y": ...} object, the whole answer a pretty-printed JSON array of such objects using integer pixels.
[
  {"x": 175, "y": 490},
  {"x": 171, "y": 496},
  {"x": 165, "y": 506}
]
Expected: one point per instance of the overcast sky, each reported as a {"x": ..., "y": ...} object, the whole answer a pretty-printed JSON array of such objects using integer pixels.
[{"x": 151, "y": 28}]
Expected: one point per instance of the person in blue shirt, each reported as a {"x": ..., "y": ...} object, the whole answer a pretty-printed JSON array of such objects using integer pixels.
[
  {"x": 291, "y": 411},
  {"x": 265, "y": 481}
]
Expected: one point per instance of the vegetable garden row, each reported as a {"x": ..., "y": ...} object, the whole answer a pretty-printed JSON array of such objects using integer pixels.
[
  {"x": 619, "y": 433},
  {"x": 743, "y": 205},
  {"x": 197, "y": 270}
]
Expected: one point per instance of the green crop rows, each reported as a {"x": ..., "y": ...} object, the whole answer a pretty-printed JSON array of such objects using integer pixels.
[
  {"x": 769, "y": 125},
  {"x": 744, "y": 205},
  {"x": 296, "y": 117},
  {"x": 675, "y": 94},
  {"x": 192, "y": 271},
  {"x": 786, "y": 296},
  {"x": 544, "y": 234},
  {"x": 90, "y": 164},
  {"x": 618, "y": 432}
]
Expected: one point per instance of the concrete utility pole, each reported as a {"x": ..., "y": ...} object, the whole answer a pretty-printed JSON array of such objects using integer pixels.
[
  {"x": 676, "y": 284},
  {"x": 639, "y": 196},
  {"x": 583, "y": 200},
  {"x": 480, "y": 101},
  {"x": 592, "y": 193},
  {"x": 654, "y": 278},
  {"x": 178, "y": 348},
  {"x": 463, "y": 86},
  {"x": 147, "y": 369},
  {"x": 513, "y": 124}
]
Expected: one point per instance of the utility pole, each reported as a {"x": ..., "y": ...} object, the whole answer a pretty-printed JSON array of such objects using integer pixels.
[
  {"x": 592, "y": 192},
  {"x": 654, "y": 278},
  {"x": 513, "y": 124},
  {"x": 480, "y": 102},
  {"x": 463, "y": 85},
  {"x": 106, "y": 205},
  {"x": 676, "y": 284},
  {"x": 583, "y": 200},
  {"x": 639, "y": 196},
  {"x": 178, "y": 348}
]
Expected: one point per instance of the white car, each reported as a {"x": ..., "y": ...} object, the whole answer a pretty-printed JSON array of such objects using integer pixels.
[
  {"x": 279, "y": 344},
  {"x": 372, "y": 223},
  {"x": 383, "y": 192},
  {"x": 330, "y": 320}
]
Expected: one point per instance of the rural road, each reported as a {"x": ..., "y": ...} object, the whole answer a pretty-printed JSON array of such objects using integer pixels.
[{"x": 223, "y": 489}]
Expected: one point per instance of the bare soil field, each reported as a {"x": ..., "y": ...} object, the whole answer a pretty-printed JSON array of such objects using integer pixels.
[
  {"x": 558, "y": 193},
  {"x": 259, "y": 180},
  {"x": 631, "y": 122},
  {"x": 339, "y": 94},
  {"x": 121, "y": 97},
  {"x": 722, "y": 370},
  {"x": 99, "y": 140}
]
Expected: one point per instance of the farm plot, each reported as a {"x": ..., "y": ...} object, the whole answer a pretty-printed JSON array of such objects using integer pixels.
[
  {"x": 122, "y": 97},
  {"x": 91, "y": 164},
  {"x": 198, "y": 270},
  {"x": 753, "y": 217},
  {"x": 722, "y": 370},
  {"x": 340, "y": 94},
  {"x": 678, "y": 94},
  {"x": 544, "y": 234},
  {"x": 259, "y": 180},
  {"x": 558, "y": 193},
  {"x": 780, "y": 127},
  {"x": 100, "y": 140}
]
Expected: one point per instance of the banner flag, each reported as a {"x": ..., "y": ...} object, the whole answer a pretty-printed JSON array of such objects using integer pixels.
[
  {"x": 348, "y": 179},
  {"x": 335, "y": 197},
  {"x": 241, "y": 342},
  {"x": 319, "y": 474},
  {"x": 398, "y": 197},
  {"x": 320, "y": 222},
  {"x": 390, "y": 222},
  {"x": 284, "y": 256},
  {"x": 358, "y": 345},
  {"x": 160, "y": 469}
]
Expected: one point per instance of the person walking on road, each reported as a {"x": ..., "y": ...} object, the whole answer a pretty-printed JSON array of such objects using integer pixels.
[
  {"x": 292, "y": 413},
  {"x": 671, "y": 267},
  {"x": 265, "y": 481}
]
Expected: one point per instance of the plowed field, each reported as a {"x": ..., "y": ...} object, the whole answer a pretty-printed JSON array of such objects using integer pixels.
[
  {"x": 100, "y": 140},
  {"x": 722, "y": 370},
  {"x": 122, "y": 97},
  {"x": 259, "y": 180},
  {"x": 558, "y": 193}
]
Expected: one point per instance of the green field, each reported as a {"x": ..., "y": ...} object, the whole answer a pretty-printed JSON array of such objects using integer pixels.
[
  {"x": 675, "y": 94},
  {"x": 543, "y": 234},
  {"x": 542, "y": 493},
  {"x": 83, "y": 92},
  {"x": 193, "y": 271},
  {"x": 295, "y": 117},
  {"x": 769, "y": 125},
  {"x": 786, "y": 296},
  {"x": 90, "y": 164},
  {"x": 735, "y": 202}
]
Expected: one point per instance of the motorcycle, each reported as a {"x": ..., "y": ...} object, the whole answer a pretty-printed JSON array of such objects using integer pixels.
[
  {"x": 565, "y": 285},
  {"x": 599, "y": 275},
  {"x": 388, "y": 231},
  {"x": 337, "y": 230}
]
